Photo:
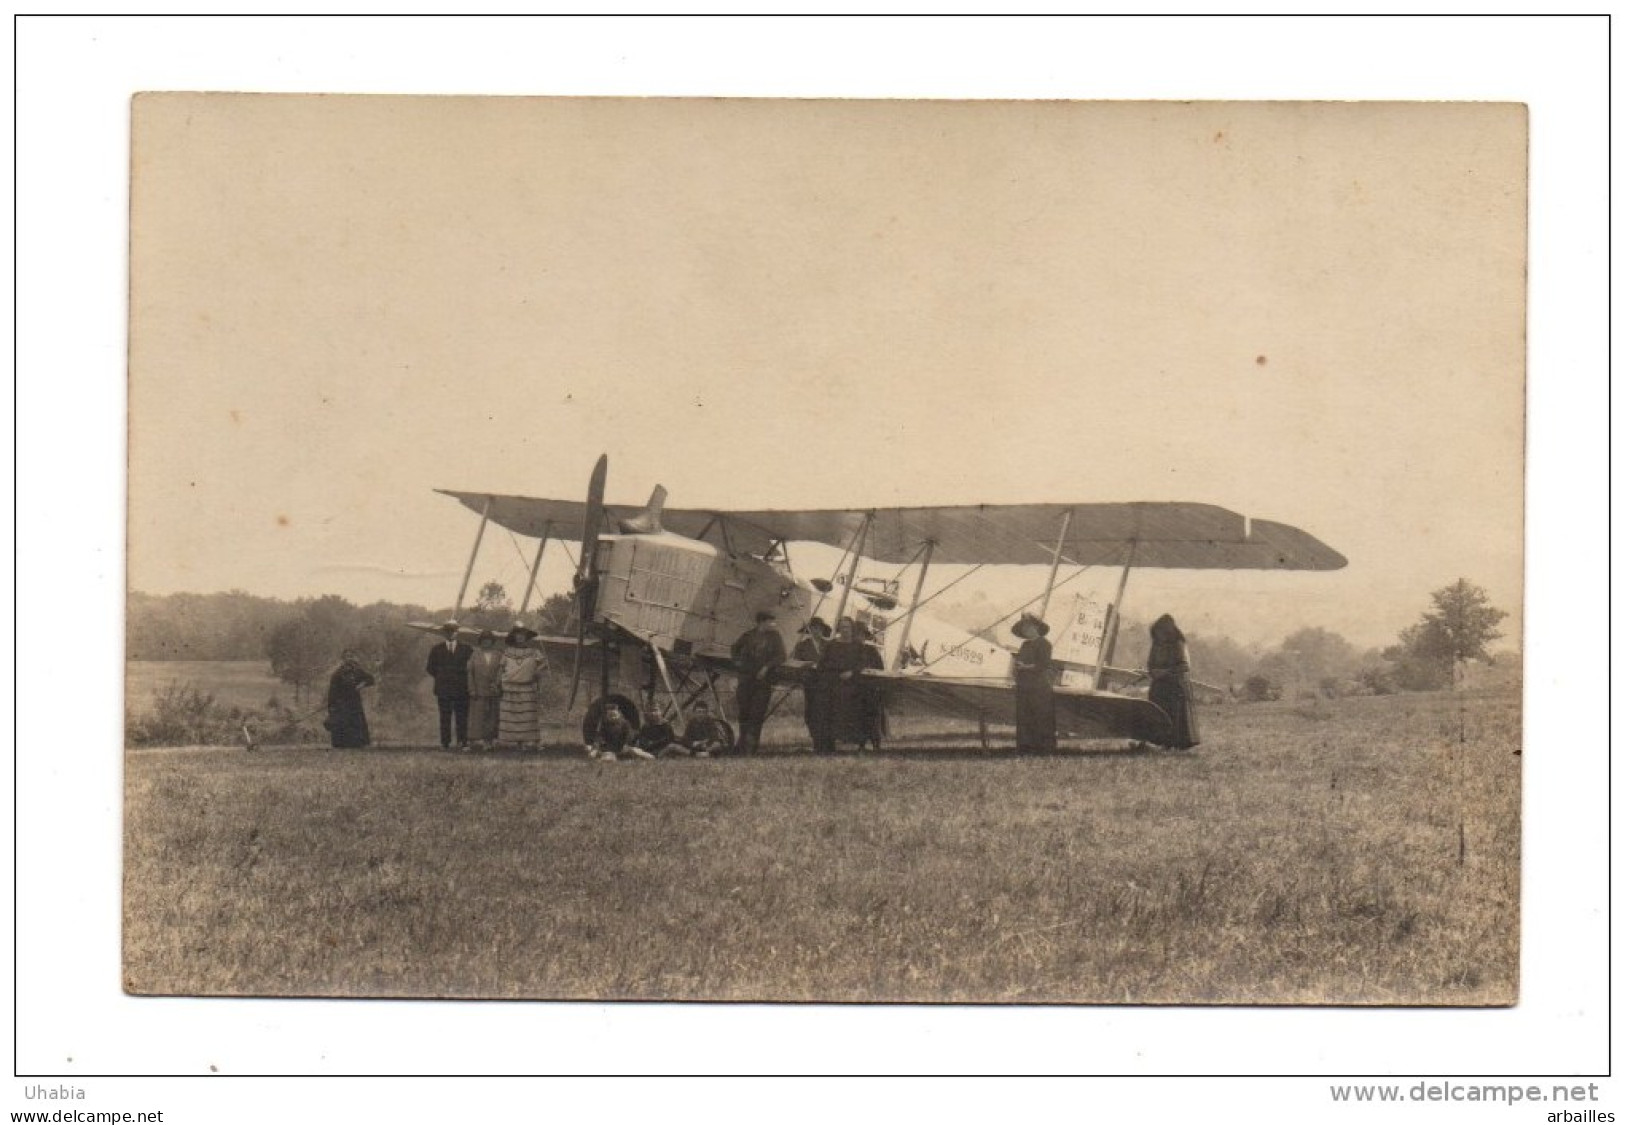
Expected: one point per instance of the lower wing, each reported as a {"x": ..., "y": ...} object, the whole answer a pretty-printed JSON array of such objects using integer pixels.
[{"x": 1079, "y": 713}]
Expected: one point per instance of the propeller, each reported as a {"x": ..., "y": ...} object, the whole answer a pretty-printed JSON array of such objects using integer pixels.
[{"x": 586, "y": 580}]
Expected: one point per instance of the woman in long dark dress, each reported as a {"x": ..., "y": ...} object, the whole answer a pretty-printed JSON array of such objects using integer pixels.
[
  {"x": 346, "y": 719},
  {"x": 843, "y": 659},
  {"x": 1035, "y": 695},
  {"x": 1169, "y": 666}
]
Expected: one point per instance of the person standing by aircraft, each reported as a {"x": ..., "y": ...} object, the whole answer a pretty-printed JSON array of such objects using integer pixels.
[
  {"x": 519, "y": 711},
  {"x": 346, "y": 718},
  {"x": 755, "y": 654},
  {"x": 817, "y": 686},
  {"x": 448, "y": 666},
  {"x": 844, "y": 658},
  {"x": 1035, "y": 695},
  {"x": 485, "y": 692},
  {"x": 873, "y": 697},
  {"x": 1169, "y": 666}
]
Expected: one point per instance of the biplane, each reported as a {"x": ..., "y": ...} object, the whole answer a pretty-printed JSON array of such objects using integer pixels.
[{"x": 660, "y": 594}]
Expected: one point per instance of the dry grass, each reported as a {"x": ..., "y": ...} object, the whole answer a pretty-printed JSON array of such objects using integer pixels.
[{"x": 1362, "y": 851}]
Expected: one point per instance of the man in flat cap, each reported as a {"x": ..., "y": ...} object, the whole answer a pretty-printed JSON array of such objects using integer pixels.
[{"x": 755, "y": 654}]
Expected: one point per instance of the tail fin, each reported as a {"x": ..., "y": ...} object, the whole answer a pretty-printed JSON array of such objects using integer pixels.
[{"x": 647, "y": 522}]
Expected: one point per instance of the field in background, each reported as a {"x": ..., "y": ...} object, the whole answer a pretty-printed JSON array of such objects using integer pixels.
[
  {"x": 1358, "y": 851},
  {"x": 247, "y": 684}
]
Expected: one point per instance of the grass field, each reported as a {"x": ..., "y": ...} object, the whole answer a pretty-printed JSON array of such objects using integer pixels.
[
  {"x": 1363, "y": 851},
  {"x": 246, "y": 684}
]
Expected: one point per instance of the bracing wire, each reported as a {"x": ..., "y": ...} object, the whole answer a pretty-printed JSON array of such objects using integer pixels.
[{"x": 1001, "y": 620}]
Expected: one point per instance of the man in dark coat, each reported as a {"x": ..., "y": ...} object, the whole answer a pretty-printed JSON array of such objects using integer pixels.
[
  {"x": 817, "y": 686},
  {"x": 1035, "y": 696},
  {"x": 755, "y": 654},
  {"x": 448, "y": 665},
  {"x": 874, "y": 695}
]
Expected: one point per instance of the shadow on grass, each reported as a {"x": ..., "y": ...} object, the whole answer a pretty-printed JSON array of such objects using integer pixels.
[{"x": 924, "y": 751}]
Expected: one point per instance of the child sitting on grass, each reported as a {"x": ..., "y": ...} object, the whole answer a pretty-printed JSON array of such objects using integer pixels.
[
  {"x": 703, "y": 736},
  {"x": 615, "y": 737}
]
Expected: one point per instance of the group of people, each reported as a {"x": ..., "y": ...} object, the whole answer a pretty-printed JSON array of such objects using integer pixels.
[
  {"x": 614, "y": 736},
  {"x": 838, "y": 705},
  {"x": 491, "y": 697},
  {"x": 488, "y": 697}
]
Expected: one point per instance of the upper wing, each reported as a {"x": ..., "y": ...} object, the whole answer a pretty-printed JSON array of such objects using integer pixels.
[{"x": 1144, "y": 533}]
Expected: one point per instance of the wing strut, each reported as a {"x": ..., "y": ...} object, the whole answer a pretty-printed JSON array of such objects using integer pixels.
[
  {"x": 665, "y": 678},
  {"x": 530, "y": 588},
  {"x": 462, "y": 592},
  {"x": 1108, "y": 637},
  {"x": 852, "y": 571},
  {"x": 914, "y": 604},
  {"x": 1055, "y": 563}
]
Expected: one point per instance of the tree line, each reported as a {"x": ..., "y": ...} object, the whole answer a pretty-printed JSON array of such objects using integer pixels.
[
  {"x": 1458, "y": 628},
  {"x": 303, "y": 639}
]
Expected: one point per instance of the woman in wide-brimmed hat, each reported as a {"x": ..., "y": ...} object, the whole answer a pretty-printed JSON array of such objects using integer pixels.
[
  {"x": 1169, "y": 666},
  {"x": 817, "y": 685},
  {"x": 520, "y": 721},
  {"x": 485, "y": 691},
  {"x": 1035, "y": 696}
]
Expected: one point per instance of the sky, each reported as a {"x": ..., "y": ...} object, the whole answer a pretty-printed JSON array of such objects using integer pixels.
[{"x": 1307, "y": 312}]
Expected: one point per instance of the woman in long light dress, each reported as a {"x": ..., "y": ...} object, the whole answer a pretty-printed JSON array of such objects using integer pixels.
[
  {"x": 521, "y": 709},
  {"x": 485, "y": 692}
]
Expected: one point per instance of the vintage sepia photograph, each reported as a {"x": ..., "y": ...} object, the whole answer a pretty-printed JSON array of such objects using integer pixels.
[{"x": 825, "y": 551}]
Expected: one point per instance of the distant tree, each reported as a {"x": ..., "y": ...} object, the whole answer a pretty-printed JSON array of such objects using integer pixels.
[
  {"x": 556, "y": 614},
  {"x": 393, "y": 652},
  {"x": 300, "y": 655},
  {"x": 1375, "y": 676},
  {"x": 1458, "y": 628},
  {"x": 303, "y": 651},
  {"x": 1222, "y": 661},
  {"x": 492, "y": 608},
  {"x": 230, "y": 626},
  {"x": 1312, "y": 660}
]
